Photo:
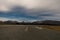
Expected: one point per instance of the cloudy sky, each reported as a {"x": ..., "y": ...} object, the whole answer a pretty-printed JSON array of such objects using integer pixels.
[{"x": 29, "y": 10}]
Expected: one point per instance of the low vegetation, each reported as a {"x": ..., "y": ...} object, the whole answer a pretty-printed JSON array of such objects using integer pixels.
[{"x": 51, "y": 27}]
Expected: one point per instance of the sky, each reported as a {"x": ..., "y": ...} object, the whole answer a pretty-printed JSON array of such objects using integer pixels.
[{"x": 29, "y": 10}]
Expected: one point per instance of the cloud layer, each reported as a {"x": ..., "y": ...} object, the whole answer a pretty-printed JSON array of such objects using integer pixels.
[
  {"x": 31, "y": 9},
  {"x": 49, "y": 4}
]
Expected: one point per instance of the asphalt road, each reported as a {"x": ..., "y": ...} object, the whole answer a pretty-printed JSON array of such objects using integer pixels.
[{"x": 27, "y": 32}]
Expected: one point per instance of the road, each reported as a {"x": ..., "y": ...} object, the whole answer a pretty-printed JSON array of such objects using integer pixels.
[{"x": 27, "y": 32}]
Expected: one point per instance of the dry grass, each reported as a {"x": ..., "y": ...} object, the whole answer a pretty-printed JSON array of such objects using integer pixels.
[{"x": 51, "y": 27}]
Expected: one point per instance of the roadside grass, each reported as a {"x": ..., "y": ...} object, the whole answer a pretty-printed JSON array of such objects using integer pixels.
[{"x": 51, "y": 27}]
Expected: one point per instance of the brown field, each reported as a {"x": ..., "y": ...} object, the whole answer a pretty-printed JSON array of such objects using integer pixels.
[{"x": 51, "y": 27}]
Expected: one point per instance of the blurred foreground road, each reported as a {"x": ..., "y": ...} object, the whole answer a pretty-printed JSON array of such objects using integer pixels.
[{"x": 27, "y": 32}]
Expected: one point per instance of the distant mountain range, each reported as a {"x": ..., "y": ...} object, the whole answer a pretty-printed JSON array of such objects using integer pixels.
[{"x": 44, "y": 22}]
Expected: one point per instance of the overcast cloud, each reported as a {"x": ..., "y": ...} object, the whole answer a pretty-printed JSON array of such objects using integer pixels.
[{"x": 41, "y": 9}]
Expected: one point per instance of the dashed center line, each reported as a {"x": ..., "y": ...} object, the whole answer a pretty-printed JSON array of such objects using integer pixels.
[
  {"x": 26, "y": 29},
  {"x": 39, "y": 27}
]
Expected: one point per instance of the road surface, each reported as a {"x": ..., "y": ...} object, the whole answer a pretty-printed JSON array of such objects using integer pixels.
[{"x": 27, "y": 32}]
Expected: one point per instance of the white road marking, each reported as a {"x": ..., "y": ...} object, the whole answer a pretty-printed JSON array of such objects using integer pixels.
[
  {"x": 39, "y": 27},
  {"x": 26, "y": 29}
]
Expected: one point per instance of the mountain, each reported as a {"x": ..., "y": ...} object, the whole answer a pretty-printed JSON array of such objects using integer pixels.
[
  {"x": 44, "y": 22},
  {"x": 48, "y": 22}
]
